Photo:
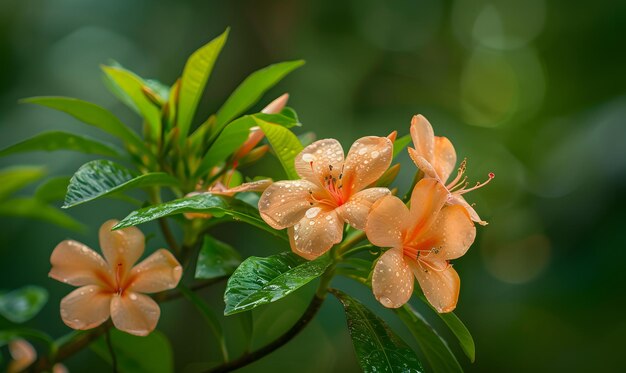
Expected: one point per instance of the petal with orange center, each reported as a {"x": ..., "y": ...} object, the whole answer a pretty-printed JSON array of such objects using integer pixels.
[
  {"x": 423, "y": 164},
  {"x": 440, "y": 286},
  {"x": 459, "y": 200},
  {"x": 86, "y": 307},
  {"x": 158, "y": 272},
  {"x": 356, "y": 210},
  {"x": 445, "y": 158},
  {"x": 451, "y": 235},
  {"x": 386, "y": 222},
  {"x": 392, "y": 279},
  {"x": 76, "y": 264},
  {"x": 315, "y": 233},
  {"x": 284, "y": 203},
  {"x": 135, "y": 313},
  {"x": 321, "y": 158},
  {"x": 427, "y": 199},
  {"x": 423, "y": 137},
  {"x": 23, "y": 355},
  {"x": 368, "y": 158},
  {"x": 122, "y": 247}
]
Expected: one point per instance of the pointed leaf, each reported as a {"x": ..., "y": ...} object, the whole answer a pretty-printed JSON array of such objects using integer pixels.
[
  {"x": 434, "y": 348},
  {"x": 285, "y": 144},
  {"x": 59, "y": 140},
  {"x": 252, "y": 89},
  {"x": 99, "y": 178},
  {"x": 23, "y": 304},
  {"x": 15, "y": 178},
  {"x": 150, "y": 354},
  {"x": 195, "y": 75},
  {"x": 53, "y": 189},
  {"x": 216, "y": 259},
  {"x": 377, "y": 347},
  {"x": 400, "y": 144},
  {"x": 259, "y": 281},
  {"x": 36, "y": 209}
]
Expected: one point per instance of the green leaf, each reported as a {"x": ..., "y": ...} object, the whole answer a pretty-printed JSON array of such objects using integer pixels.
[
  {"x": 23, "y": 304},
  {"x": 150, "y": 354},
  {"x": 53, "y": 189},
  {"x": 252, "y": 89},
  {"x": 162, "y": 90},
  {"x": 259, "y": 281},
  {"x": 132, "y": 85},
  {"x": 400, "y": 144},
  {"x": 216, "y": 259},
  {"x": 285, "y": 144},
  {"x": 36, "y": 209},
  {"x": 195, "y": 75},
  {"x": 15, "y": 178},
  {"x": 96, "y": 116},
  {"x": 434, "y": 348},
  {"x": 99, "y": 178},
  {"x": 286, "y": 118},
  {"x": 377, "y": 347},
  {"x": 219, "y": 206},
  {"x": 59, "y": 140}
]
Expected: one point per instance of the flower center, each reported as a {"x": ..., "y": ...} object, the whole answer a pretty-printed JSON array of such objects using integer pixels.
[
  {"x": 459, "y": 185},
  {"x": 333, "y": 185},
  {"x": 422, "y": 256}
]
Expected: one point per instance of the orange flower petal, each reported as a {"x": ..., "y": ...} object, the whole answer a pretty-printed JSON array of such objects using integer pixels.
[
  {"x": 423, "y": 164},
  {"x": 445, "y": 158},
  {"x": 86, "y": 307},
  {"x": 135, "y": 313},
  {"x": 368, "y": 158},
  {"x": 452, "y": 234},
  {"x": 423, "y": 137},
  {"x": 315, "y": 233},
  {"x": 392, "y": 279},
  {"x": 78, "y": 265},
  {"x": 253, "y": 186},
  {"x": 459, "y": 200},
  {"x": 356, "y": 210},
  {"x": 428, "y": 197},
  {"x": 160, "y": 271},
  {"x": 441, "y": 287},
  {"x": 23, "y": 355},
  {"x": 317, "y": 159},
  {"x": 284, "y": 203},
  {"x": 386, "y": 222},
  {"x": 121, "y": 247}
]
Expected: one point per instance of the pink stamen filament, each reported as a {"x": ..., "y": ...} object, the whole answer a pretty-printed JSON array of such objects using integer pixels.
[
  {"x": 118, "y": 279},
  {"x": 333, "y": 186},
  {"x": 459, "y": 184}
]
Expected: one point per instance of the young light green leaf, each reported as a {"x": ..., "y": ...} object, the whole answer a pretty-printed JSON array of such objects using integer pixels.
[
  {"x": 286, "y": 118},
  {"x": 195, "y": 75},
  {"x": 53, "y": 189},
  {"x": 36, "y": 209},
  {"x": 15, "y": 178},
  {"x": 377, "y": 347},
  {"x": 434, "y": 348},
  {"x": 259, "y": 281},
  {"x": 99, "y": 178},
  {"x": 150, "y": 354},
  {"x": 285, "y": 144},
  {"x": 23, "y": 304},
  {"x": 216, "y": 259},
  {"x": 161, "y": 90},
  {"x": 59, "y": 140},
  {"x": 400, "y": 144},
  {"x": 132, "y": 86},
  {"x": 251, "y": 90}
]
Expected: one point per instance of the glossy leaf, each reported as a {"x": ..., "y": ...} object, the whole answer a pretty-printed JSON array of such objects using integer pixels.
[
  {"x": 132, "y": 86},
  {"x": 216, "y": 259},
  {"x": 53, "y": 189},
  {"x": 252, "y": 89},
  {"x": 434, "y": 348},
  {"x": 150, "y": 354},
  {"x": 58, "y": 140},
  {"x": 15, "y": 178},
  {"x": 377, "y": 347},
  {"x": 285, "y": 144},
  {"x": 35, "y": 209},
  {"x": 96, "y": 116},
  {"x": 259, "y": 281},
  {"x": 99, "y": 178},
  {"x": 218, "y": 206},
  {"x": 157, "y": 87},
  {"x": 23, "y": 304},
  {"x": 400, "y": 144},
  {"x": 195, "y": 75},
  {"x": 286, "y": 118}
]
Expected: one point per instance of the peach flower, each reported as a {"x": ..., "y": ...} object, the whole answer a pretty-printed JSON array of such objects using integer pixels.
[
  {"x": 332, "y": 191},
  {"x": 112, "y": 286},
  {"x": 436, "y": 157},
  {"x": 23, "y": 354},
  {"x": 422, "y": 241}
]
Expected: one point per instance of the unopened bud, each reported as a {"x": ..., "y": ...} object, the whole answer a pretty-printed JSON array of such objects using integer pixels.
[
  {"x": 392, "y": 136},
  {"x": 255, "y": 136},
  {"x": 277, "y": 105},
  {"x": 254, "y": 155}
]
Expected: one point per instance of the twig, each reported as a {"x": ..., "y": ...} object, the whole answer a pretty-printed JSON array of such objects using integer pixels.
[{"x": 107, "y": 337}]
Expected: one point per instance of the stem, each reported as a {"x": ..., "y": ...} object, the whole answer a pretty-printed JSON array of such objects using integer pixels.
[
  {"x": 168, "y": 235},
  {"x": 107, "y": 337}
]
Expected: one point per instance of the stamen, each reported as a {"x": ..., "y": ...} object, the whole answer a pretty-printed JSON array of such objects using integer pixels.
[
  {"x": 478, "y": 185},
  {"x": 460, "y": 172},
  {"x": 432, "y": 267}
]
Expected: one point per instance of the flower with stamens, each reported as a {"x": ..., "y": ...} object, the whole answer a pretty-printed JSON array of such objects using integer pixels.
[
  {"x": 436, "y": 157},
  {"x": 331, "y": 191},
  {"x": 422, "y": 240},
  {"x": 113, "y": 286}
]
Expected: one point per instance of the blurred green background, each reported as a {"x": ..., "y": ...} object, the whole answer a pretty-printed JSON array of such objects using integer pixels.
[{"x": 533, "y": 90}]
